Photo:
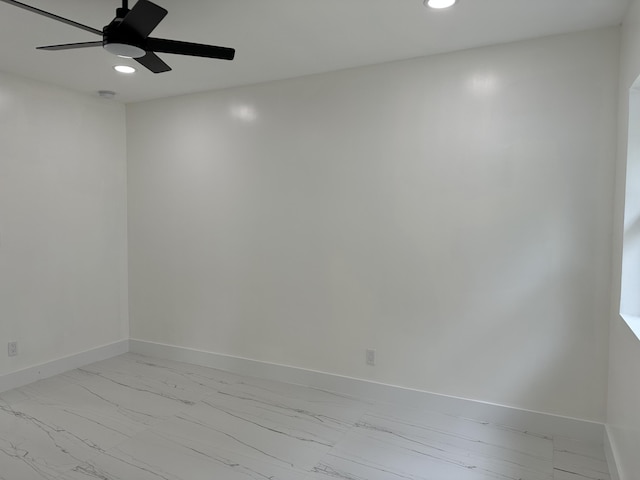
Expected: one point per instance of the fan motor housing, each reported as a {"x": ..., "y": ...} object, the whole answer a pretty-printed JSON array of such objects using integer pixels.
[{"x": 122, "y": 44}]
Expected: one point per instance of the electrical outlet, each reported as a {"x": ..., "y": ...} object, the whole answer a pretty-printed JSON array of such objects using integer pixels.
[
  {"x": 371, "y": 357},
  {"x": 12, "y": 349}
]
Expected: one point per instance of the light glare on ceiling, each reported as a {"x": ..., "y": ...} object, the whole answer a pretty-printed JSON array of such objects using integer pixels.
[
  {"x": 439, "y": 3},
  {"x": 124, "y": 69}
]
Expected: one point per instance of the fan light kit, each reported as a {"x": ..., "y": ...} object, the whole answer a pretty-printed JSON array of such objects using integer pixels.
[
  {"x": 125, "y": 51},
  {"x": 439, "y": 4},
  {"x": 124, "y": 69},
  {"x": 128, "y": 36}
]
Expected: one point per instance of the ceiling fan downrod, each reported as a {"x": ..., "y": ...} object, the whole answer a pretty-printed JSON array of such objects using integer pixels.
[{"x": 122, "y": 11}]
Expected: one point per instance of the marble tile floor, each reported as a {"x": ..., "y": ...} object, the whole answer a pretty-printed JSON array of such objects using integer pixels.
[{"x": 140, "y": 418}]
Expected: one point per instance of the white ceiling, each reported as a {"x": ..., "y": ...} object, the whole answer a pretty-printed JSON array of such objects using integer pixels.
[{"x": 277, "y": 39}]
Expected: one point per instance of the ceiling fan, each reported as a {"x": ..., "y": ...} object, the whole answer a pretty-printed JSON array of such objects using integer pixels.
[{"x": 128, "y": 36}]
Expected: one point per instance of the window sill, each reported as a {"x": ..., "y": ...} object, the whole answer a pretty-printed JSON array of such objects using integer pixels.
[{"x": 634, "y": 323}]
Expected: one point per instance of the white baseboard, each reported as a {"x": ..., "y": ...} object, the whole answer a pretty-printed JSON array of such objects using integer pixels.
[
  {"x": 537, "y": 422},
  {"x": 61, "y": 365},
  {"x": 609, "y": 452}
]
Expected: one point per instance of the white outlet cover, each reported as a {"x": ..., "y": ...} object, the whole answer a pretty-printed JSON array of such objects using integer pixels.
[{"x": 371, "y": 357}]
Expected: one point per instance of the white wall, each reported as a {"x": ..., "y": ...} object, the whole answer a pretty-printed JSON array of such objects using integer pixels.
[
  {"x": 63, "y": 284},
  {"x": 452, "y": 212},
  {"x": 623, "y": 406}
]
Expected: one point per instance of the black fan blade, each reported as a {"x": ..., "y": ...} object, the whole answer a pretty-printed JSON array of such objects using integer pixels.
[
  {"x": 52, "y": 16},
  {"x": 153, "y": 63},
  {"x": 186, "y": 48},
  {"x": 143, "y": 18},
  {"x": 71, "y": 46}
]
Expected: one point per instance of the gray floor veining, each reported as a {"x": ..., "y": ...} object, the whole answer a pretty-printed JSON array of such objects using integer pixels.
[{"x": 140, "y": 418}]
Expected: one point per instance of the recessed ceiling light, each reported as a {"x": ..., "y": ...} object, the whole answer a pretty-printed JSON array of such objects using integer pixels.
[
  {"x": 439, "y": 3},
  {"x": 124, "y": 69}
]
